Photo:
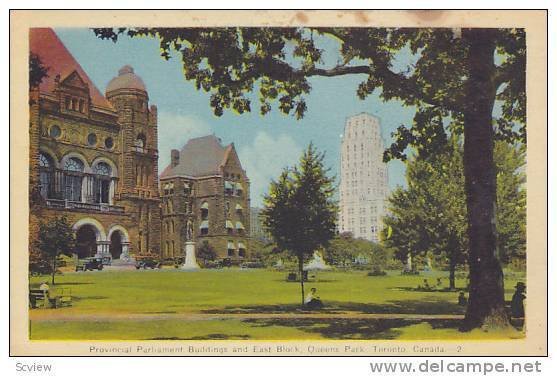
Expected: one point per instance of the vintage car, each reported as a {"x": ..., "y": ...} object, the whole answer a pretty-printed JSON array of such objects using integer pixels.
[
  {"x": 147, "y": 262},
  {"x": 252, "y": 265},
  {"x": 89, "y": 263}
]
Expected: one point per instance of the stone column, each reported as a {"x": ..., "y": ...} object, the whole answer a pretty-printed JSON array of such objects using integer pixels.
[
  {"x": 111, "y": 191},
  {"x": 84, "y": 190},
  {"x": 103, "y": 248}
]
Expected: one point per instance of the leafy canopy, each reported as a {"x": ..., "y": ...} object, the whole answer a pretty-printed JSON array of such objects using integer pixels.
[
  {"x": 56, "y": 237},
  {"x": 278, "y": 63}
]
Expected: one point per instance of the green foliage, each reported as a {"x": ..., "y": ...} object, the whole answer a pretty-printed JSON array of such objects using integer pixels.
[
  {"x": 38, "y": 264},
  {"x": 267, "y": 253},
  {"x": 37, "y": 71},
  {"x": 55, "y": 238},
  {"x": 300, "y": 212},
  {"x": 511, "y": 204},
  {"x": 429, "y": 217},
  {"x": 344, "y": 250},
  {"x": 206, "y": 252},
  {"x": 230, "y": 62}
]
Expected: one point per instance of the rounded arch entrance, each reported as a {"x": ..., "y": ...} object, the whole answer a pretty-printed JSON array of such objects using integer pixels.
[
  {"x": 89, "y": 236},
  {"x": 119, "y": 242}
]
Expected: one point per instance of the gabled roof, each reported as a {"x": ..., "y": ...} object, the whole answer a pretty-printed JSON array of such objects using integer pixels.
[
  {"x": 53, "y": 54},
  {"x": 202, "y": 156}
]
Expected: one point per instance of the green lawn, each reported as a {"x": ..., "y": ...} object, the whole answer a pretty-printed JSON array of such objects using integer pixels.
[{"x": 166, "y": 292}]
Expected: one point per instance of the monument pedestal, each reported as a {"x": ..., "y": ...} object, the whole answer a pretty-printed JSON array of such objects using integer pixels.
[{"x": 190, "y": 263}]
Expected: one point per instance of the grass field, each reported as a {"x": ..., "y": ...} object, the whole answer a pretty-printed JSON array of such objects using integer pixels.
[{"x": 249, "y": 304}]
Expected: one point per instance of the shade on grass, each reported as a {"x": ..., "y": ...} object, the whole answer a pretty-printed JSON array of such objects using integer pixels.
[{"x": 171, "y": 291}]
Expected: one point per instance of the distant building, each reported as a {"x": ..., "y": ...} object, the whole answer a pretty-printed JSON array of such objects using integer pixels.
[
  {"x": 364, "y": 178},
  {"x": 256, "y": 226},
  {"x": 93, "y": 157},
  {"x": 205, "y": 198}
]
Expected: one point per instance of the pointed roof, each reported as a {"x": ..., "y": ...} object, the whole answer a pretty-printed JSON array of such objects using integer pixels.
[
  {"x": 200, "y": 156},
  {"x": 45, "y": 43}
]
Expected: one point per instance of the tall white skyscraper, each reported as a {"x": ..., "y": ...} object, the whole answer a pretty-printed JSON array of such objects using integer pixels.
[{"x": 364, "y": 182}]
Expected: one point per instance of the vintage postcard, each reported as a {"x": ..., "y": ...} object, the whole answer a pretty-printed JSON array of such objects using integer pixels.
[{"x": 314, "y": 183}]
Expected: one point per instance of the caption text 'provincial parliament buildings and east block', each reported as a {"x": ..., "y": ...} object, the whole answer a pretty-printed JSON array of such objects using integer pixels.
[{"x": 93, "y": 158}]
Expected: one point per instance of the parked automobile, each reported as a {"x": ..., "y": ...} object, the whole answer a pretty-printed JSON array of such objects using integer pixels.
[
  {"x": 147, "y": 263},
  {"x": 215, "y": 264},
  {"x": 89, "y": 263},
  {"x": 252, "y": 265}
]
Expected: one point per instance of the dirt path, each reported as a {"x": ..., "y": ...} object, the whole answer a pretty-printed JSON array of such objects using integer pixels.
[{"x": 54, "y": 315}]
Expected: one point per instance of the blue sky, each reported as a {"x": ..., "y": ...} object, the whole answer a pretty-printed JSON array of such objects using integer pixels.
[{"x": 265, "y": 144}]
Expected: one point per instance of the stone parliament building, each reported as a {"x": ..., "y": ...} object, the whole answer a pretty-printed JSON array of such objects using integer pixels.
[
  {"x": 94, "y": 158},
  {"x": 205, "y": 199}
]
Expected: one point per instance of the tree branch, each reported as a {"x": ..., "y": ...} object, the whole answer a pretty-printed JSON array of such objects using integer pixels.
[{"x": 339, "y": 70}]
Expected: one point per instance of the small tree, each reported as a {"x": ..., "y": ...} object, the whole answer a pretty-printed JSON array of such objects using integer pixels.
[
  {"x": 300, "y": 212},
  {"x": 206, "y": 253},
  {"x": 56, "y": 238}
]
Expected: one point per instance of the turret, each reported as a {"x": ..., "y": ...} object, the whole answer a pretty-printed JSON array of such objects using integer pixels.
[{"x": 128, "y": 94}]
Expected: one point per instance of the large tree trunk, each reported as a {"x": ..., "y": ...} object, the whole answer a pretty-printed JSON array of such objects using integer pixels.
[
  {"x": 301, "y": 269},
  {"x": 486, "y": 305},
  {"x": 452, "y": 269}
]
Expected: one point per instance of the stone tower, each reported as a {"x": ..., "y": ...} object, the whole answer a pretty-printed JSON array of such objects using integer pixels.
[{"x": 138, "y": 183}]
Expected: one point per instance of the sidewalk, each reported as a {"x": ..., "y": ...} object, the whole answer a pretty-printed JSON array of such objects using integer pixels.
[{"x": 53, "y": 315}]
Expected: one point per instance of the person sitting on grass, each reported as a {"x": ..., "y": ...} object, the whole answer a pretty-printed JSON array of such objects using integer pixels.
[
  {"x": 313, "y": 301},
  {"x": 439, "y": 284},
  {"x": 462, "y": 301},
  {"x": 425, "y": 287},
  {"x": 517, "y": 302},
  {"x": 44, "y": 287}
]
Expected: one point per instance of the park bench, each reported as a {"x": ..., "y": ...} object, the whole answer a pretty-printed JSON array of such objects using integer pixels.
[
  {"x": 38, "y": 296},
  {"x": 62, "y": 298},
  {"x": 295, "y": 277}
]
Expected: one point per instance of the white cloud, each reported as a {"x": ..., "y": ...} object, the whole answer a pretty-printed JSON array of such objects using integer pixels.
[
  {"x": 175, "y": 130},
  {"x": 265, "y": 159}
]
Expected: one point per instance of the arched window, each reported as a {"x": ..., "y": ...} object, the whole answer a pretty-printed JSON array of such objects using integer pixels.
[
  {"x": 74, "y": 164},
  {"x": 45, "y": 161},
  {"x": 73, "y": 179},
  {"x": 46, "y": 172},
  {"x": 102, "y": 168},
  {"x": 101, "y": 182}
]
